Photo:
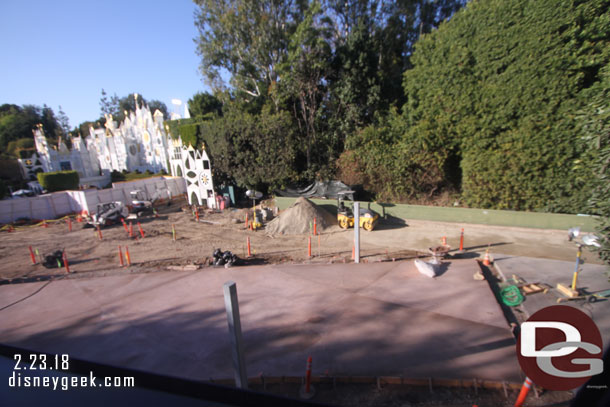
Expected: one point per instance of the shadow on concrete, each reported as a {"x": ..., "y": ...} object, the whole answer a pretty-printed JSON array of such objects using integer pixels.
[
  {"x": 485, "y": 246},
  {"x": 442, "y": 268},
  {"x": 183, "y": 343},
  {"x": 494, "y": 285},
  {"x": 464, "y": 255}
]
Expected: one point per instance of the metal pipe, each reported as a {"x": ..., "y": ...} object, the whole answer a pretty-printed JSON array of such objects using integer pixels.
[{"x": 357, "y": 232}]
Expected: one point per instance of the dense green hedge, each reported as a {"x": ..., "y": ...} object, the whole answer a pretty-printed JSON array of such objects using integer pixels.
[
  {"x": 252, "y": 151},
  {"x": 58, "y": 181},
  {"x": 189, "y": 134},
  {"x": 492, "y": 106}
]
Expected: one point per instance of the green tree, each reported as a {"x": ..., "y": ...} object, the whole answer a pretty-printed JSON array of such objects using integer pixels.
[
  {"x": 247, "y": 39},
  {"x": 109, "y": 105},
  {"x": 63, "y": 121},
  {"x": 17, "y": 122},
  {"x": 254, "y": 151},
  {"x": 202, "y": 103},
  {"x": 118, "y": 106},
  {"x": 303, "y": 74}
]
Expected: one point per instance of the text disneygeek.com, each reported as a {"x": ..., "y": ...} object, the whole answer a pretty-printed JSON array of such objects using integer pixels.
[{"x": 67, "y": 382}]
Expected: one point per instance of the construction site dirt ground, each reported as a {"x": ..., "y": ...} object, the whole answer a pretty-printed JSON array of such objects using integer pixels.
[
  {"x": 195, "y": 242},
  {"x": 95, "y": 317}
]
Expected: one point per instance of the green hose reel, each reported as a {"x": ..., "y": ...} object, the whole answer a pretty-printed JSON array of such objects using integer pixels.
[{"x": 511, "y": 296}]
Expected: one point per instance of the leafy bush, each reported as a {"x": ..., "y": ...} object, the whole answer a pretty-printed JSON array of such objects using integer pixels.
[
  {"x": 116, "y": 176},
  {"x": 58, "y": 181}
]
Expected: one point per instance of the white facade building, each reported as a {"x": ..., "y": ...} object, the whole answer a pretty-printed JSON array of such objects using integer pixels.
[{"x": 138, "y": 143}]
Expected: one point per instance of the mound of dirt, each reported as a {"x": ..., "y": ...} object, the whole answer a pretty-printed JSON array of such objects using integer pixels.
[{"x": 295, "y": 220}]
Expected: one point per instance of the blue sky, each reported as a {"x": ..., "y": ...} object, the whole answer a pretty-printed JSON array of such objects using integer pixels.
[{"x": 63, "y": 52}]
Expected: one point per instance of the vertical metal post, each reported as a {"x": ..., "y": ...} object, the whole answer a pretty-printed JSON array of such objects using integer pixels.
[
  {"x": 237, "y": 348},
  {"x": 357, "y": 232},
  {"x": 575, "y": 278}
]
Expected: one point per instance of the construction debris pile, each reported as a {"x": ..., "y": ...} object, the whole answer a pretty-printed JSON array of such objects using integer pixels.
[{"x": 298, "y": 219}]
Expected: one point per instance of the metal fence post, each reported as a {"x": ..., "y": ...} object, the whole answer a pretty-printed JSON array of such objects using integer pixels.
[
  {"x": 237, "y": 348},
  {"x": 357, "y": 232}
]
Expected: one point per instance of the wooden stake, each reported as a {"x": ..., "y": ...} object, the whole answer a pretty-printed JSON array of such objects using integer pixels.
[{"x": 141, "y": 230}]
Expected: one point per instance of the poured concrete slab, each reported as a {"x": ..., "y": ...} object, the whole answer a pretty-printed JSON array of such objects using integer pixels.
[
  {"x": 592, "y": 278},
  {"x": 366, "y": 319}
]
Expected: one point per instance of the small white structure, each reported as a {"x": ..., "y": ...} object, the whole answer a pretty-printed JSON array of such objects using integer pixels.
[{"x": 195, "y": 167}]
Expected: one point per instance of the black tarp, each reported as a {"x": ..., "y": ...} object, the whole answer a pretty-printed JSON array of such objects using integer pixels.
[{"x": 319, "y": 189}]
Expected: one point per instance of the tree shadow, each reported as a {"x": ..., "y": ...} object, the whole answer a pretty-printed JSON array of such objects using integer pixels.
[{"x": 347, "y": 334}]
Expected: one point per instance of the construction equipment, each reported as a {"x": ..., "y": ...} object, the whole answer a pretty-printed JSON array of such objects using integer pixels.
[
  {"x": 142, "y": 204},
  {"x": 573, "y": 292},
  {"x": 592, "y": 297},
  {"x": 108, "y": 213},
  {"x": 345, "y": 214}
]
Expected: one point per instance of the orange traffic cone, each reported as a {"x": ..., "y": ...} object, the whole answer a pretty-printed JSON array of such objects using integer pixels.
[
  {"x": 527, "y": 385},
  {"x": 486, "y": 260}
]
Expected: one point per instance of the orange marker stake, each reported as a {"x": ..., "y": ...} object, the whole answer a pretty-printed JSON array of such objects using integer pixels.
[
  {"x": 308, "y": 376},
  {"x": 141, "y": 230},
  {"x": 99, "y": 232},
  {"x": 121, "y": 257},
  {"x": 32, "y": 255},
  {"x": 197, "y": 214},
  {"x": 444, "y": 240},
  {"x": 462, "y": 240},
  {"x": 309, "y": 247},
  {"x": 315, "y": 229},
  {"x": 527, "y": 385},
  {"x": 130, "y": 229},
  {"x": 248, "y": 244},
  {"x": 66, "y": 262},
  {"x": 127, "y": 257},
  {"x": 125, "y": 226}
]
